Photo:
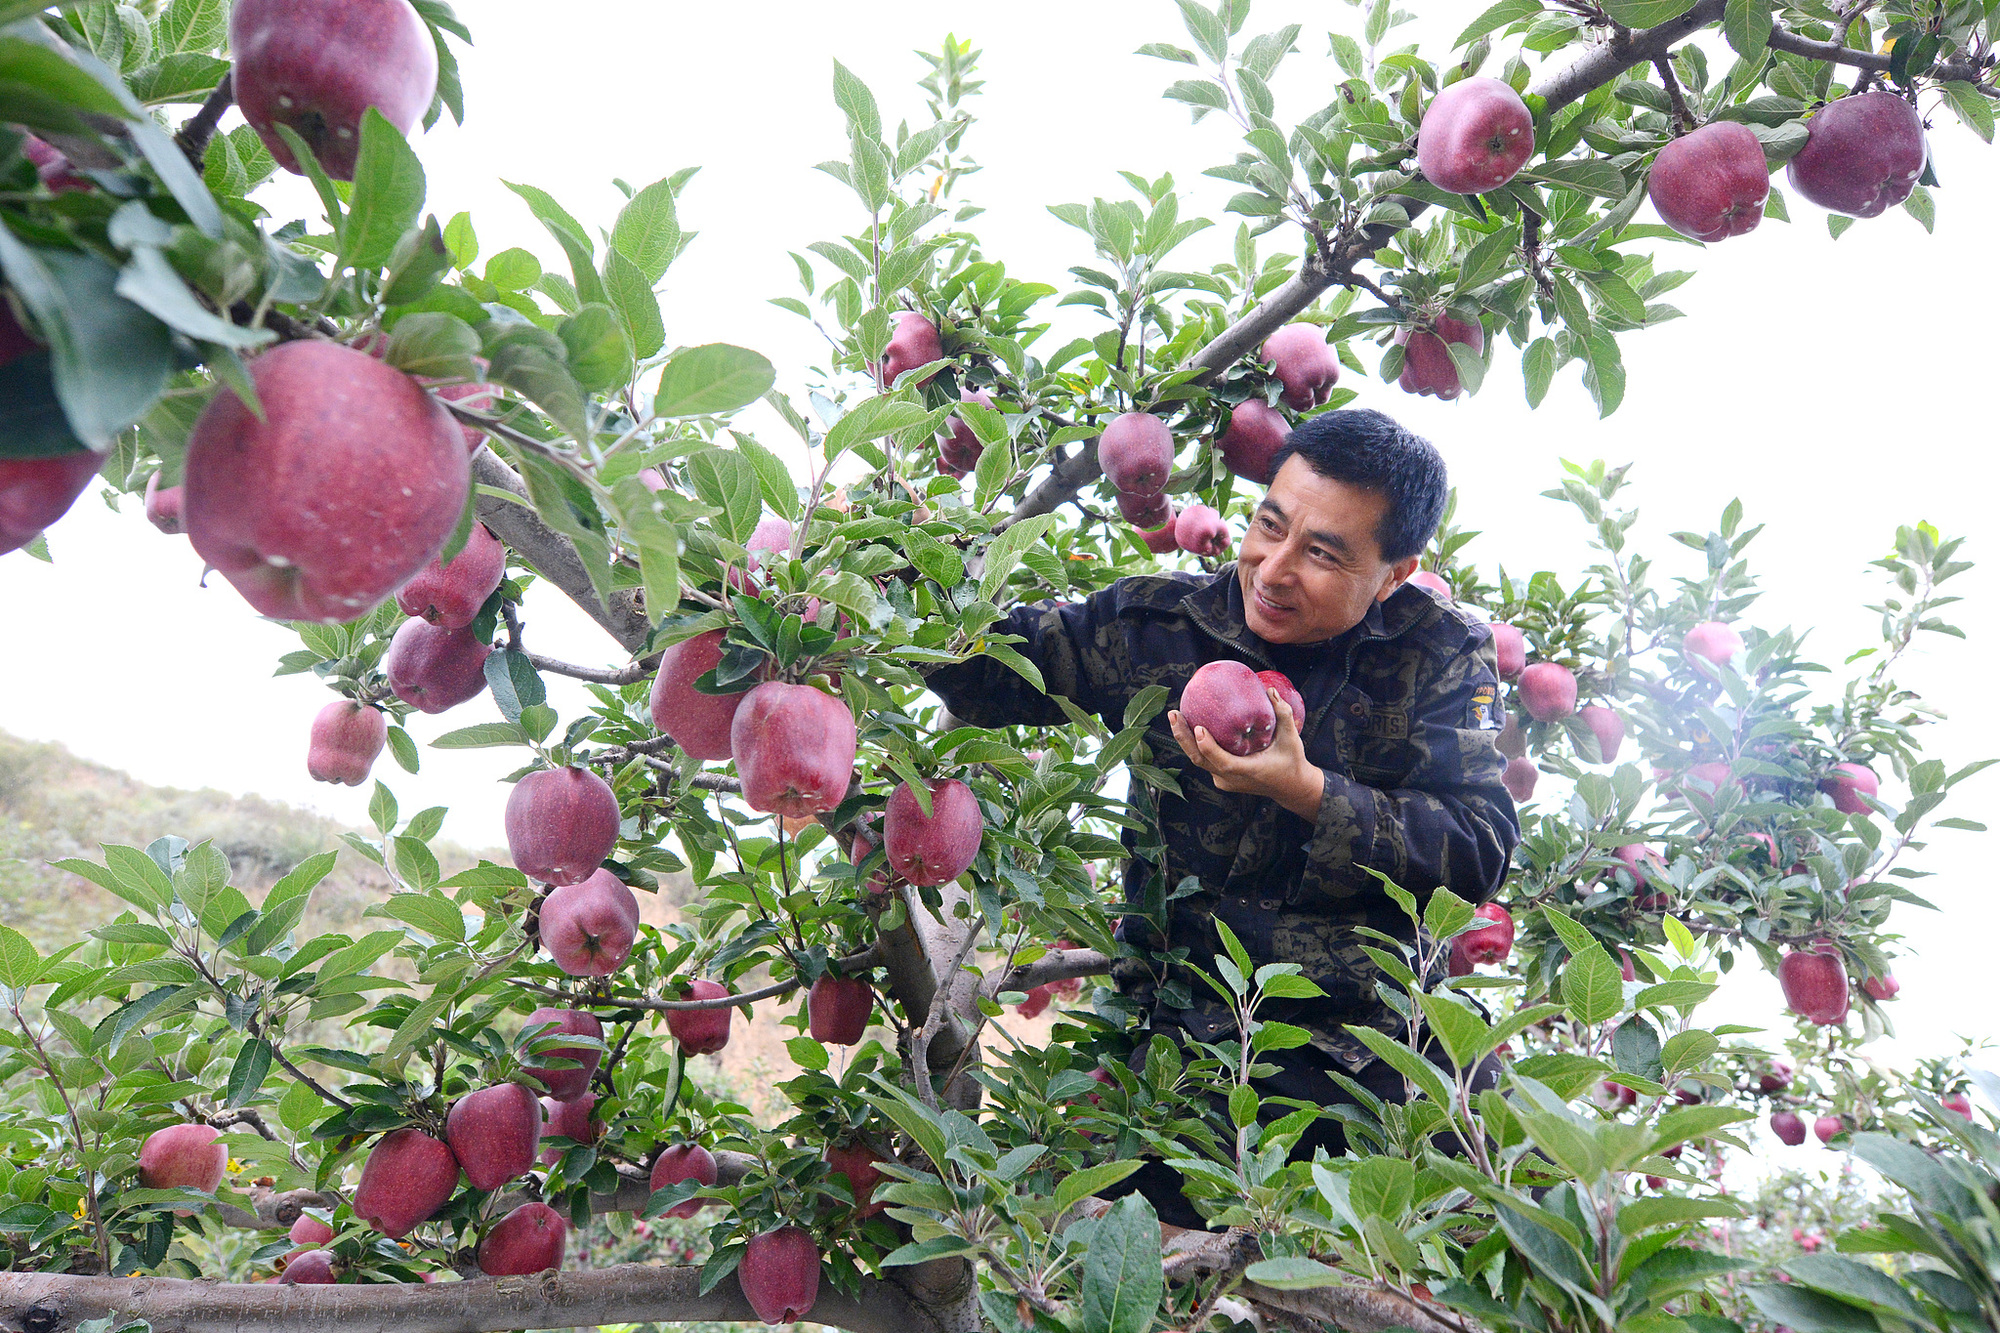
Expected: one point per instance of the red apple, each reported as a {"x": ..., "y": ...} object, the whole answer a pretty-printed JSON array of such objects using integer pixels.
[
  {"x": 838, "y": 1009},
  {"x": 35, "y": 492},
  {"x": 1304, "y": 362},
  {"x": 1712, "y": 641},
  {"x": 1711, "y": 184},
  {"x": 345, "y": 491},
  {"x": 494, "y": 1133},
  {"x": 1145, "y": 511},
  {"x": 1815, "y": 983},
  {"x": 698, "y": 723},
  {"x": 856, "y": 1164},
  {"x": 794, "y": 749},
  {"x": 1511, "y": 647},
  {"x": 1200, "y": 531},
  {"x": 1257, "y": 431},
  {"x": 1474, "y": 136},
  {"x": 1959, "y": 1103},
  {"x": 779, "y": 1275},
  {"x": 1788, "y": 1127},
  {"x": 561, "y": 823},
  {"x": 914, "y": 342},
  {"x": 1279, "y": 681},
  {"x": 1427, "y": 364},
  {"x": 1136, "y": 452},
  {"x": 1882, "y": 988},
  {"x": 434, "y": 669},
  {"x": 163, "y": 506},
  {"x": 1616, "y": 1095},
  {"x": 589, "y": 927},
  {"x": 1848, "y": 784},
  {"x": 311, "y": 1267},
  {"x": 408, "y": 1176},
  {"x": 1489, "y": 943},
  {"x": 528, "y": 1240},
  {"x": 864, "y": 847},
  {"x": 938, "y": 848},
  {"x": 1519, "y": 778},
  {"x": 959, "y": 446},
  {"x": 52, "y": 166},
  {"x": 346, "y": 739},
  {"x": 684, "y": 1161},
  {"x": 1227, "y": 700},
  {"x": 310, "y": 1230},
  {"x": 574, "y": 1120},
  {"x": 318, "y": 65},
  {"x": 1036, "y": 1002},
  {"x": 1547, "y": 690},
  {"x": 1161, "y": 540},
  {"x": 566, "y": 1085},
  {"x": 1432, "y": 583},
  {"x": 1862, "y": 154},
  {"x": 187, "y": 1156},
  {"x": 1628, "y": 971},
  {"x": 1776, "y": 1078},
  {"x": 1712, "y": 778},
  {"x": 450, "y": 595},
  {"x": 1826, "y": 1127},
  {"x": 1607, "y": 728},
  {"x": 701, "y": 1031}
]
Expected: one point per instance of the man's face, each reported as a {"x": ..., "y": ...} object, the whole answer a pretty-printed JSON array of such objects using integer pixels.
[{"x": 1310, "y": 566}]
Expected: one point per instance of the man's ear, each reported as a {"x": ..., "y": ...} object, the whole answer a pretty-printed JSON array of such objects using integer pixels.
[{"x": 1399, "y": 574}]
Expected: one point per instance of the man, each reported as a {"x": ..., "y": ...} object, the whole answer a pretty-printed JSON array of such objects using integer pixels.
[{"x": 1393, "y": 768}]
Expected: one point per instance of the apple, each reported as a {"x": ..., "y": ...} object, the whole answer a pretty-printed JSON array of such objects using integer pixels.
[
  {"x": 1145, "y": 511},
  {"x": 480, "y": 397},
  {"x": 1304, "y": 362},
  {"x": 856, "y": 1164},
  {"x": 864, "y": 847},
  {"x": 311, "y": 1267},
  {"x": 1433, "y": 583},
  {"x": 52, "y": 166},
  {"x": 434, "y": 669},
  {"x": 1607, "y": 728},
  {"x": 1547, "y": 690},
  {"x": 697, "y": 722},
  {"x": 318, "y": 65},
  {"x": 1638, "y": 859},
  {"x": 1427, "y": 364},
  {"x": 1826, "y": 1127},
  {"x": 779, "y": 1274},
  {"x": 188, "y": 1156},
  {"x": 1616, "y": 1095},
  {"x": 1161, "y": 540},
  {"x": 701, "y": 1031},
  {"x": 1788, "y": 1127},
  {"x": 1629, "y": 971},
  {"x": 1510, "y": 646},
  {"x": 346, "y": 739},
  {"x": 1279, "y": 681},
  {"x": 310, "y": 1230},
  {"x": 35, "y": 492},
  {"x": 494, "y": 1133},
  {"x": 561, "y": 823},
  {"x": 794, "y": 749},
  {"x": 566, "y": 1085},
  {"x": 1776, "y": 1078},
  {"x": 958, "y": 445},
  {"x": 1227, "y": 700},
  {"x": 1712, "y": 641},
  {"x": 1519, "y": 778},
  {"x": 1036, "y": 1001},
  {"x": 1474, "y": 136},
  {"x": 1959, "y": 1103},
  {"x": 1712, "y": 777},
  {"x": 1814, "y": 980},
  {"x": 1200, "y": 531},
  {"x": 914, "y": 342},
  {"x": 589, "y": 927},
  {"x": 1862, "y": 154},
  {"x": 684, "y": 1161},
  {"x": 1711, "y": 184},
  {"x": 528, "y": 1240},
  {"x": 342, "y": 494},
  {"x": 1136, "y": 452},
  {"x": 1848, "y": 784},
  {"x": 1256, "y": 432},
  {"x": 935, "y": 848},
  {"x": 838, "y": 1009},
  {"x": 450, "y": 595},
  {"x": 1512, "y": 741},
  {"x": 408, "y": 1176},
  {"x": 1882, "y": 988},
  {"x": 574, "y": 1120},
  {"x": 163, "y": 506},
  {"x": 1490, "y": 943}
]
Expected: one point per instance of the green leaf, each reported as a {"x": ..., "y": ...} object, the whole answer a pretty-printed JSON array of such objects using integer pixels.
[
  {"x": 20, "y": 964},
  {"x": 728, "y": 480},
  {"x": 432, "y": 913},
  {"x": 110, "y": 359},
  {"x": 1496, "y": 18},
  {"x": 713, "y": 379},
  {"x": 1809, "y": 1312},
  {"x": 1122, "y": 1278},
  {"x": 570, "y": 235},
  {"x": 1746, "y": 25},
  {"x": 1971, "y": 105},
  {"x": 387, "y": 198},
  {"x": 1081, "y": 1184},
  {"x": 481, "y": 735},
  {"x": 1604, "y": 370},
  {"x": 416, "y": 1026},
  {"x": 1003, "y": 554},
  {"x": 1645, "y": 13},
  {"x": 648, "y": 232},
  {"x": 871, "y": 419},
  {"x": 246, "y": 1076},
  {"x": 1856, "y": 1284},
  {"x": 1293, "y": 1273},
  {"x": 638, "y": 308},
  {"x": 772, "y": 477},
  {"x": 1538, "y": 368},
  {"x": 1592, "y": 985},
  {"x": 600, "y": 355},
  {"x": 300, "y": 1108},
  {"x": 1634, "y": 1218},
  {"x": 436, "y": 345}
]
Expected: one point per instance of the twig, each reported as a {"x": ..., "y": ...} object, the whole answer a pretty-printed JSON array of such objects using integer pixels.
[
  {"x": 699, "y": 781},
  {"x": 192, "y": 138},
  {"x": 1683, "y": 117},
  {"x": 625, "y": 675}
]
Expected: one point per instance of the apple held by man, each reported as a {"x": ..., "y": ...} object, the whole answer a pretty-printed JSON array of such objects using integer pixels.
[{"x": 1400, "y": 771}]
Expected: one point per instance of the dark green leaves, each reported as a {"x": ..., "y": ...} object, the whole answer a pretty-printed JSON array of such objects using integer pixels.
[
  {"x": 387, "y": 198},
  {"x": 1122, "y": 1279}
]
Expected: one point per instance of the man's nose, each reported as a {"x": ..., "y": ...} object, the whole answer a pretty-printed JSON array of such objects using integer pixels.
[{"x": 1280, "y": 566}]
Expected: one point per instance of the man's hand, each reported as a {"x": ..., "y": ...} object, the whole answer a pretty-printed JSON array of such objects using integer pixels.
[{"x": 1280, "y": 772}]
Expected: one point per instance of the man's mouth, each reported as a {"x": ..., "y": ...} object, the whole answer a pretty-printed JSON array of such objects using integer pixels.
[{"x": 1265, "y": 604}]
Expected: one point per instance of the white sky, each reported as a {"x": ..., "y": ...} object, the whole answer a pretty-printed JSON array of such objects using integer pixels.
[{"x": 1839, "y": 388}]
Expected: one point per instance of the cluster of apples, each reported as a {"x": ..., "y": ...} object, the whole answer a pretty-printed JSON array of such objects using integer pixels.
[
  {"x": 1233, "y": 704},
  {"x": 1547, "y": 692}
]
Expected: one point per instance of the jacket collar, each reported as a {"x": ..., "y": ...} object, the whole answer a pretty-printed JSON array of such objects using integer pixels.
[{"x": 1216, "y": 607}]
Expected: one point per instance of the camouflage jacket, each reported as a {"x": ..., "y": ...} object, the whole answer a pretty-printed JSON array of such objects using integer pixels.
[{"x": 1401, "y": 713}]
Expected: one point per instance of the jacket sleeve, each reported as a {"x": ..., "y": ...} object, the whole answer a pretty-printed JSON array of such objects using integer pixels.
[
  {"x": 1448, "y": 822},
  {"x": 1062, "y": 639}
]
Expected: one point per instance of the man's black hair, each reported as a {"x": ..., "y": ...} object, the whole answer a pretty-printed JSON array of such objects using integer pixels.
[{"x": 1363, "y": 448}]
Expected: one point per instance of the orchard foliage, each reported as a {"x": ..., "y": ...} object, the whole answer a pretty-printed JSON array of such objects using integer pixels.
[{"x": 920, "y": 483}]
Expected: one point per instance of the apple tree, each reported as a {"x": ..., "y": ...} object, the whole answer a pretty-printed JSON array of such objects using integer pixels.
[{"x": 384, "y": 436}]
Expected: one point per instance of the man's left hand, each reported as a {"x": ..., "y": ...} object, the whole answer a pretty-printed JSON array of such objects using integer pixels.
[{"x": 1279, "y": 772}]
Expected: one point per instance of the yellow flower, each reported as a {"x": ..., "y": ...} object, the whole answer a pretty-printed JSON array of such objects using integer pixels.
[
  {"x": 80, "y": 1210},
  {"x": 235, "y": 1167}
]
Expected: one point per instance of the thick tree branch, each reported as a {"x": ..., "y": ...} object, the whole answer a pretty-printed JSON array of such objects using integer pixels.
[
  {"x": 192, "y": 138},
  {"x": 1055, "y": 965},
  {"x": 549, "y": 553}
]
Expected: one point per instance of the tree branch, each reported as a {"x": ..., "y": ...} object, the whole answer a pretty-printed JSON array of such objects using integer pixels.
[
  {"x": 625, "y": 675},
  {"x": 1055, "y": 965},
  {"x": 192, "y": 138},
  {"x": 549, "y": 553}
]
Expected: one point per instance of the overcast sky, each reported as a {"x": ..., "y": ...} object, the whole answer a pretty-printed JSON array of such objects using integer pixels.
[{"x": 1841, "y": 388}]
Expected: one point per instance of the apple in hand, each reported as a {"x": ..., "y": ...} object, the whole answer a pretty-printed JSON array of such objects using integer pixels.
[
  {"x": 779, "y": 1275},
  {"x": 794, "y": 749},
  {"x": 838, "y": 1009},
  {"x": 1862, "y": 154},
  {"x": 935, "y": 848},
  {"x": 589, "y": 927},
  {"x": 1548, "y": 691},
  {"x": 1279, "y": 681},
  {"x": 1136, "y": 452},
  {"x": 1256, "y": 432},
  {"x": 35, "y": 492},
  {"x": 434, "y": 669},
  {"x": 408, "y": 1176},
  {"x": 1200, "y": 531},
  {"x": 684, "y": 1161},
  {"x": 1304, "y": 362},
  {"x": 347, "y": 737},
  {"x": 318, "y": 65},
  {"x": 187, "y": 1156},
  {"x": 494, "y": 1134},
  {"x": 701, "y": 1031},
  {"x": 1711, "y": 184},
  {"x": 1474, "y": 136},
  {"x": 450, "y": 595},
  {"x": 1227, "y": 700},
  {"x": 1814, "y": 981},
  {"x": 527, "y": 1240},
  {"x": 1427, "y": 364},
  {"x": 561, "y": 823},
  {"x": 566, "y": 1085},
  {"x": 342, "y": 494}
]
